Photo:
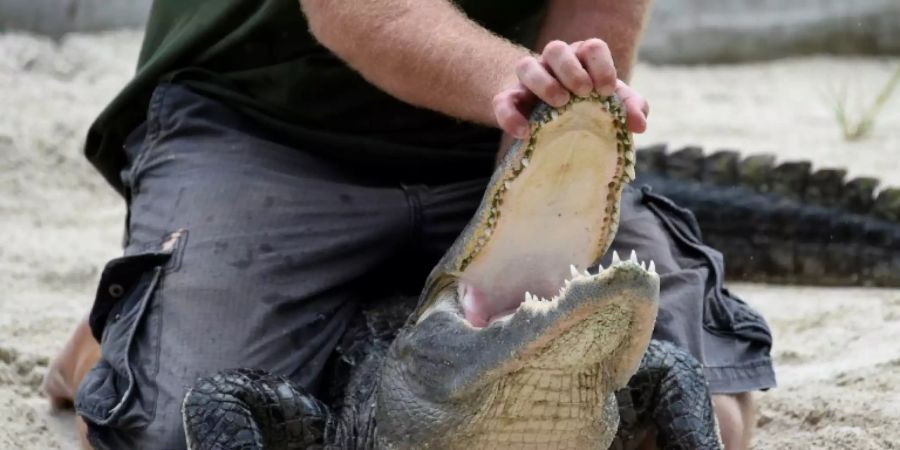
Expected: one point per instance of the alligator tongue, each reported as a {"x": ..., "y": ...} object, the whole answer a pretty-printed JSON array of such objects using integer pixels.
[
  {"x": 475, "y": 305},
  {"x": 481, "y": 309},
  {"x": 554, "y": 214}
]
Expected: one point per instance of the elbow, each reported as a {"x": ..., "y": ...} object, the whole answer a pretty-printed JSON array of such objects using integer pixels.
[{"x": 324, "y": 24}]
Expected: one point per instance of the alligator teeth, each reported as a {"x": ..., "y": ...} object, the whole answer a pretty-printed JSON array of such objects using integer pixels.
[
  {"x": 507, "y": 184},
  {"x": 629, "y": 154},
  {"x": 542, "y": 305},
  {"x": 524, "y": 162},
  {"x": 629, "y": 172},
  {"x": 535, "y": 305}
]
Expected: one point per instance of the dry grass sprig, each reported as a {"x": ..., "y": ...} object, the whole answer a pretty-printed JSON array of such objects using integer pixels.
[{"x": 855, "y": 128}]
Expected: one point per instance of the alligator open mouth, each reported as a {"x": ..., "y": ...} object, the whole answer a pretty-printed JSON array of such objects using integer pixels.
[{"x": 556, "y": 206}]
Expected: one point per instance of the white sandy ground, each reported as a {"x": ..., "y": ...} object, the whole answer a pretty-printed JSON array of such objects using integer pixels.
[{"x": 837, "y": 351}]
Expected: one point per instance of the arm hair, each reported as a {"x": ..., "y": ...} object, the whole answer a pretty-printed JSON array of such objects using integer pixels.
[
  {"x": 424, "y": 52},
  {"x": 429, "y": 54}
]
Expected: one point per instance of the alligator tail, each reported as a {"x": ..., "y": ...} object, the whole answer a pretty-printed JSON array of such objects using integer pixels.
[{"x": 783, "y": 223}]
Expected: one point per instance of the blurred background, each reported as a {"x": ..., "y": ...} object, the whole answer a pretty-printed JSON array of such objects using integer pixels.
[{"x": 803, "y": 80}]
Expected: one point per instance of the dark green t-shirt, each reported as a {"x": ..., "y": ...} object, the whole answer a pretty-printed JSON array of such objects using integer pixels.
[{"x": 258, "y": 57}]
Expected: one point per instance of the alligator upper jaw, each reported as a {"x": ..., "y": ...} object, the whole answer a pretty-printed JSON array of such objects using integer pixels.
[{"x": 553, "y": 203}]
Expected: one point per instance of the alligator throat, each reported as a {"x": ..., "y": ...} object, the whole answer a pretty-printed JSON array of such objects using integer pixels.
[{"x": 556, "y": 210}]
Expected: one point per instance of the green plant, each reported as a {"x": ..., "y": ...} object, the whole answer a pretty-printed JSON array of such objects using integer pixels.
[{"x": 855, "y": 128}]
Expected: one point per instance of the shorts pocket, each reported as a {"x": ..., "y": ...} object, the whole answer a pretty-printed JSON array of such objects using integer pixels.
[{"x": 120, "y": 391}]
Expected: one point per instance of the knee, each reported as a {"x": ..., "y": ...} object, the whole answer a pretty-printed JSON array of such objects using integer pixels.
[{"x": 735, "y": 414}]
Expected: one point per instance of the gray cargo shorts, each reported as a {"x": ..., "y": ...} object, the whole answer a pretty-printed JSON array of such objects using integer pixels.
[{"x": 242, "y": 252}]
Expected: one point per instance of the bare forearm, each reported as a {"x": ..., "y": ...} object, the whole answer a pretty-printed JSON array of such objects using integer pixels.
[
  {"x": 424, "y": 52},
  {"x": 618, "y": 22}
]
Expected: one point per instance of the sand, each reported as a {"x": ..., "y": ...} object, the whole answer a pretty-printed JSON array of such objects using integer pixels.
[{"x": 837, "y": 355}]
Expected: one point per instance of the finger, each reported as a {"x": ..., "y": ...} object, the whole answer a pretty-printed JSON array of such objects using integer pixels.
[
  {"x": 510, "y": 108},
  {"x": 636, "y": 107},
  {"x": 595, "y": 56},
  {"x": 638, "y": 99},
  {"x": 563, "y": 63},
  {"x": 534, "y": 76}
]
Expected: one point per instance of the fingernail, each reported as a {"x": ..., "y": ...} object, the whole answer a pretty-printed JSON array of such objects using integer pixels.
[{"x": 641, "y": 125}]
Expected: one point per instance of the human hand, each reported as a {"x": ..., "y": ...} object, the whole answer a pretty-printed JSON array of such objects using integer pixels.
[{"x": 563, "y": 70}]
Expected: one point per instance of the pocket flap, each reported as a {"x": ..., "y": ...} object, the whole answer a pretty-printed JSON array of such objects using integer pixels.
[{"x": 120, "y": 278}]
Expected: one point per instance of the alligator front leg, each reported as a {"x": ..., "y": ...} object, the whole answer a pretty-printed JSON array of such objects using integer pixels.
[
  {"x": 245, "y": 409},
  {"x": 668, "y": 394}
]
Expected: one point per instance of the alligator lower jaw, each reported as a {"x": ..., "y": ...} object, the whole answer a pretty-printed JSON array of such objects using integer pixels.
[
  {"x": 557, "y": 206},
  {"x": 603, "y": 318},
  {"x": 544, "y": 375}
]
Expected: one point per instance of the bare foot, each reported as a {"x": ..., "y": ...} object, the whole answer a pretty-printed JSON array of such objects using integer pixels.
[
  {"x": 64, "y": 376},
  {"x": 56, "y": 388}
]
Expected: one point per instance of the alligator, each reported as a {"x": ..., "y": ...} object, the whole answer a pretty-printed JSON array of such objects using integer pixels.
[
  {"x": 513, "y": 342},
  {"x": 783, "y": 223}
]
